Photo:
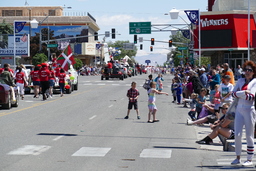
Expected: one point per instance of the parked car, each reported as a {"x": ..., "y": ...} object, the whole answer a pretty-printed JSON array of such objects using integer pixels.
[{"x": 6, "y": 100}]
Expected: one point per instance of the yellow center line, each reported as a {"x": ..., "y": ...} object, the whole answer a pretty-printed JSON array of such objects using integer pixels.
[{"x": 45, "y": 102}]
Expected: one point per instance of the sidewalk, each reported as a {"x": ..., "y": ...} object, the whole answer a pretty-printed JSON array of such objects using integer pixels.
[{"x": 203, "y": 131}]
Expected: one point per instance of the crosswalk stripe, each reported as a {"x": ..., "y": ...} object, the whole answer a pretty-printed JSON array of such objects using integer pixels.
[
  {"x": 92, "y": 152},
  {"x": 30, "y": 150},
  {"x": 156, "y": 153}
]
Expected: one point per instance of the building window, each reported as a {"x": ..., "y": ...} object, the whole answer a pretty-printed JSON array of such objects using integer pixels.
[
  {"x": 51, "y": 12},
  {"x": 18, "y": 12},
  {"x": 8, "y": 13}
]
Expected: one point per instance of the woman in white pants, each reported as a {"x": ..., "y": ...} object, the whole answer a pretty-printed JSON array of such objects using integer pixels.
[{"x": 244, "y": 90}]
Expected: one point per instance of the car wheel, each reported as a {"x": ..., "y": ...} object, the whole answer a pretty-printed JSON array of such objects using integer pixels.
[
  {"x": 68, "y": 91},
  {"x": 8, "y": 105},
  {"x": 76, "y": 86},
  {"x": 107, "y": 78},
  {"x": 16, "y": 104},
  {"x": 101, "y": 77}
]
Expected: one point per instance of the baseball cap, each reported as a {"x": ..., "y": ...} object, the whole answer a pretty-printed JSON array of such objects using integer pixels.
[{"x": 202, "y": 69}]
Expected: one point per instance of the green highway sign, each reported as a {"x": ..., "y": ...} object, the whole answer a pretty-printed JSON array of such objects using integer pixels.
[
  {"x": 52, "y": 45},
  {"x": 182, "y": 48},
  {"x": 180, "y": 56},
  {"x": 140, "y": 27}
]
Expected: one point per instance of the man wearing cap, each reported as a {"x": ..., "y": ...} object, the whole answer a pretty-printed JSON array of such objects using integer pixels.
[
  {"x": 228, "y": 71},
  {"x": 203, "y": 77},
  {"x": 44, "y": 79}
]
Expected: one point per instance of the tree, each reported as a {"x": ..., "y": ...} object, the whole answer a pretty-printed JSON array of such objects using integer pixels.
[
  {"x": 6, "y": 28},
  {"x": 78, "y": 63},
  {"x": 119, "y": 46},
  {"x": 39, "y": 58}
]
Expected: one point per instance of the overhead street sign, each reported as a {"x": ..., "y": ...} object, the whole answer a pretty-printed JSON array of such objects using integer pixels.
[
  {"x": 52, "y": 45},
  {"x": 182, "y": 48},
  {"x": 140, "y": 27}
]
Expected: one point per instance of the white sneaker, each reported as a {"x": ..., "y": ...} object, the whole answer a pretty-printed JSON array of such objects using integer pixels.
[
  {"x": 247, "y": 163},
  {"x": 236, "y": 161},
  {"x": 189, "y": 122}
]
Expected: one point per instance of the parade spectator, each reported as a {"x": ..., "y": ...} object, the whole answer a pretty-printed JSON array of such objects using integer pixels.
[
  {"x": 226, "y": 89},
  {"x": 224, "y": 126},
  {"x": 147, "y": 82},
  {"x": 238, "y": 72},
  {"x": 197, "y": 85},
  {"x": 192, "y": 103},
  {"x": 62, "y": 76},
  {"x": 201, "y": 101},
  {"x": 157, "y": 80},
  {"x": 36, "y": 81},
  {"x": 215, "y": 79},
  {"x": 44, "y": 79},
  {"x": 151, "y": 102},
  {"x": 178, "y": 90},
  {"x": 203, "y": 77},
  {"x": 173, "y": 89},
  {"x": 212, "y": 116},
  {"x": 7, "y": 76},
  {"x": 133, "y": 95},
  {"x": 228, "y": 71},
  {"x": 217, "y": 98},
  {"x": 244, "y": 91}
]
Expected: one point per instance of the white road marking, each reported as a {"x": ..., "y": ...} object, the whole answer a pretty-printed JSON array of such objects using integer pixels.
[
  {"x": 88, "y": 84},
  {"x": 92, "y": 152},
  {"x": 101, "y": 84},
  {"x": 156, "y": 153},
  {"x": 29, "y": 101},
  {"x": 87, "y": 81},
  {"x": 59, "y": 137},
  {"x": 92, "y": 117},
  {"x": 30, "y": 150},
  {"x": 127, "y": 84},
  {"x": 115, "y": 84},
  {"x": 110, "y": 106}
]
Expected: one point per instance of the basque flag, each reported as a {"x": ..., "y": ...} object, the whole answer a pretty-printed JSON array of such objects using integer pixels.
[
  {"x": 66, "y": 58},
  {"x": 193, "y": 16}
]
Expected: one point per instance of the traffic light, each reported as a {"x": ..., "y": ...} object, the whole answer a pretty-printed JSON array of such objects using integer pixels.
[
  {"x": 135, "y": 39},
  {"x": 113, "y": 33},
  {"x": 141, "y": 46},
  {"x": 152, "y": 41},
  {"x": 151, "y": 48},
  {"x": 96, "y": 36},
  {"x": 170, "y": 43}
]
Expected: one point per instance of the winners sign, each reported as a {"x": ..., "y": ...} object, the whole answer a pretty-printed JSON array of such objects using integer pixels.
[{"x": 22, "y": 45}]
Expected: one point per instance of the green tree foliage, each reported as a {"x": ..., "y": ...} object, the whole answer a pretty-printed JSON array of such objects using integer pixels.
[
  {"x": 180, "y": 39},
  {"x": 6, "y": 28},
  {"x": 39, "y": 58},
  {"x": 78, "y": 63},
  {"x": 119, "y": 46}
]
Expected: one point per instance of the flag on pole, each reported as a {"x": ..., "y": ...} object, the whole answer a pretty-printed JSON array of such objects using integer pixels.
[
  {"x": 66, "y": 58},
  {"x": 186, "y": 33},
  {"x": 19, "y": 25},
  {"x": 193, "y": 16}
]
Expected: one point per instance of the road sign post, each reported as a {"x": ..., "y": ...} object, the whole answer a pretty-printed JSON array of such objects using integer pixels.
[
  {"x": 52, "y": 45},
  {"x": 140, "y": 27}
]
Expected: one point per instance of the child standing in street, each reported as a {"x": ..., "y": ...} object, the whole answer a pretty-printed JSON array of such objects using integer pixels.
[
  {"x": 179, "y": 93},
  {"x": 133, "y": 95},
  {"x": 173, "y": 89},
  {"x": 151, "y": 102}
]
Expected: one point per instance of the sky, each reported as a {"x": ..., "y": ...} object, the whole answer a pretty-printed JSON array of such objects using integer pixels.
[{"x": 117, "y": 14}]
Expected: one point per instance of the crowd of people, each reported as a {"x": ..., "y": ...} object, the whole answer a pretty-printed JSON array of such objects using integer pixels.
[
  {"x": 42, "y": 76},
  {"x": 221, "y": 97}
]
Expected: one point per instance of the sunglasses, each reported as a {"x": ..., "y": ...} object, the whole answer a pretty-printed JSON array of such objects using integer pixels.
[
  {"x": 248, "y": 70},
  {"x": 224, "y": 108}
]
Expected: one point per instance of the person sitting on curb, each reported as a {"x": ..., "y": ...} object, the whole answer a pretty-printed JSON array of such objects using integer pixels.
[
  {"x": 224, "y": 127},
  {"x": 211, "y": 118}
]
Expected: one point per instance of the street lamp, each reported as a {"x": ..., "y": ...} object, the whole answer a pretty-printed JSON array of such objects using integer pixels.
[{"x": 17, "y": 27}]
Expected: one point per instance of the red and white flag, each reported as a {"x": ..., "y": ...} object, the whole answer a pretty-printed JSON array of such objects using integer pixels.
[{"x": 66, "y": 58}]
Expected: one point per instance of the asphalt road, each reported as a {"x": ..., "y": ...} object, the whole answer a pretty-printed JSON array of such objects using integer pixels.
[{"x": 85, "y": 130}]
